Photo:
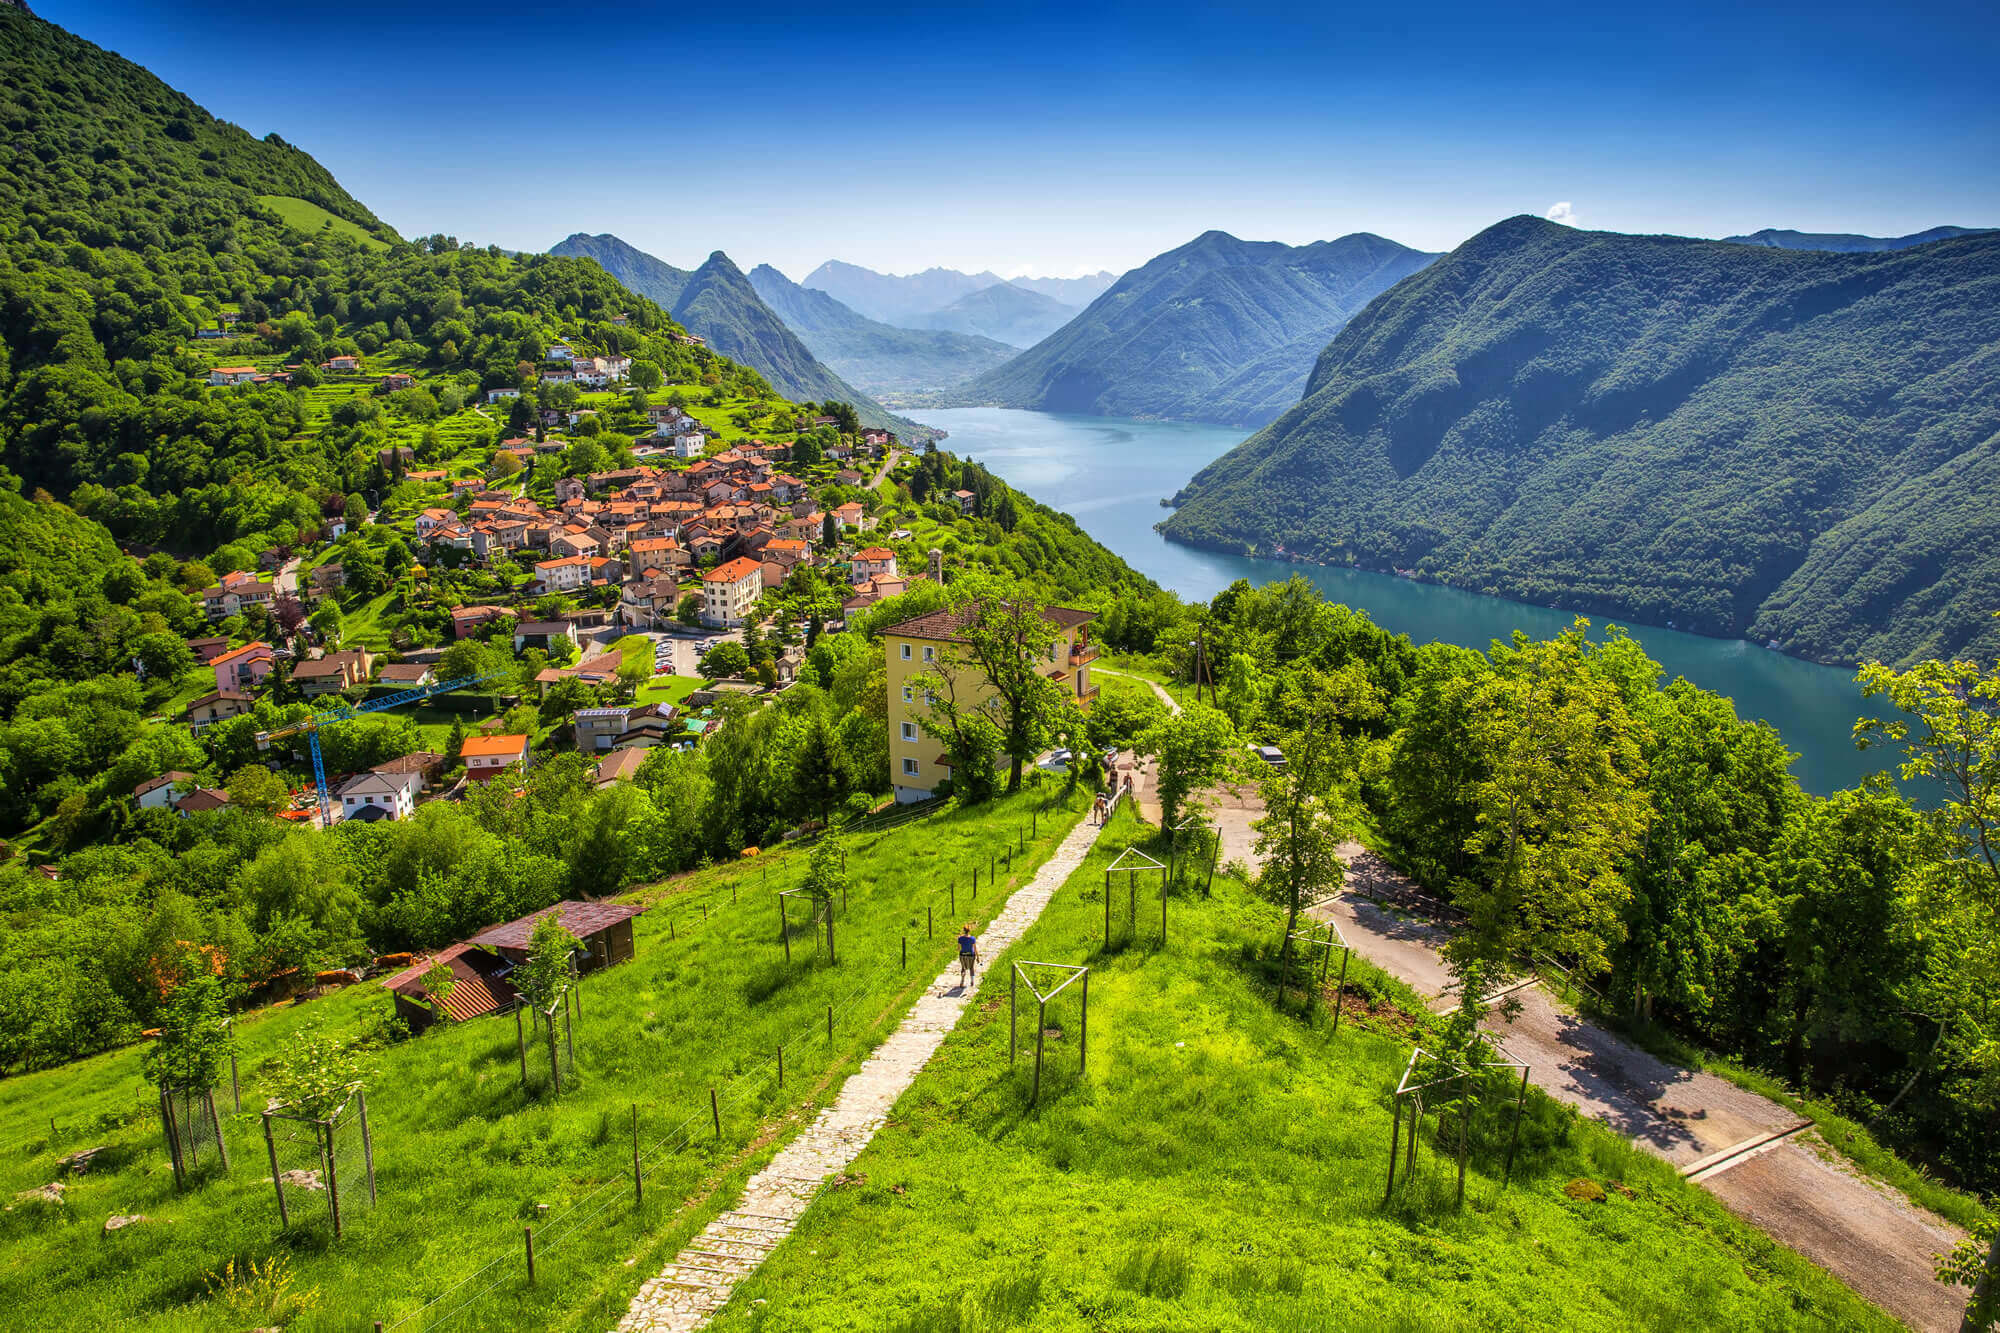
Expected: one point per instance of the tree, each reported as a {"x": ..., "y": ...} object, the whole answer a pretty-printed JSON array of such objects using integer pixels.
[
  {"x": 316, "y": 1072},
  {"x": 826, "y": 879},
  {"x": 726, "y": 659},
  {"x": 1195, "y": 748},
  {"x": 1559, "y": 813},
  {"x": 689, "y": 611},
  {"x": 162, "y": 656},
  {"x": 993, "y": 668},
  {"x": 818, "y": 779},
  {"x": 256, "y": 788},
  {"x": 438, "y": 981},
  {"x": 1954, "y": 744},
  {"x": 829, "y": 531},
  {"x": 1300, "y": 832},
  {"x": 195, "y": 1038},
  {"x": 647, "y": 376},
  {"x": 550, "y": 963}
]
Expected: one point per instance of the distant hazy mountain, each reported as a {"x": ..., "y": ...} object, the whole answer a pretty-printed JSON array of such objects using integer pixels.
[
  {"x": 894, "y": 299},
  {"x": 1845, "y": 243},
  {"x": 879, "y": 357},
  {"x": 1794, "y": 446},
  {"x": 1078, "y": 292},
  {"x": 1005, "y": 313},
  {"x": 718, "y": 303},
  {"x": 1218, "y": 330}
]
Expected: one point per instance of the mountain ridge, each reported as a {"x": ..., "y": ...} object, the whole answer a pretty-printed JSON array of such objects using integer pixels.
[
  {"x": 1791, "y": 446},
  {"x": 1005, "y": 313},
  {"x": 1218, "y": 329},
  {"x": 1848, "y": 242},
  {"x": 880, "y": 358}
]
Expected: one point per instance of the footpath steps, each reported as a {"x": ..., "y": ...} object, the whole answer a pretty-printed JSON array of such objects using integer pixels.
[{"x": 701, "y": 1278}]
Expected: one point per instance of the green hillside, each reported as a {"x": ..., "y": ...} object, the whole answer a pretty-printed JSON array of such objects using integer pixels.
[
  {"x": 1004, "y": 313},
  {"x": 1848, "y": 242},
  {"x": 717, "y": 302},
  {"x": 881, "y": 358},
  {"x": 1801, "y": 447},
  {"x": 1217, "y": 330},
  {"x": 303, "y": 215}
]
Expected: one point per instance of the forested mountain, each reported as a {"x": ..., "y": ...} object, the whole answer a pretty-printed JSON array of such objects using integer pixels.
[
  {"x": 1006, "y": 313},
  {"x": 1217, "y": 330},
  {"x": 718, "y": 303},
  {"x": 899, "y": 299},
  {"x": 1798, "y": 446},
  {"x": 1847, "y": 242},
  {"x": 1077, "y": 292},
  {"x": 880, "y": 358}
]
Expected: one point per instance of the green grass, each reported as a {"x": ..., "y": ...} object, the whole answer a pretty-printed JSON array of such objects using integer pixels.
[
  {"x": 668, "y": 689},
  {"x": 303, "y": 215},
  {"x": 1221, "y": 1167},
  {"x": 464, "y": 1158}
]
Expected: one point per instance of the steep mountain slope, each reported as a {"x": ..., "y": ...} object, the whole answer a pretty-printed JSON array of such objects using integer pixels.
[
  {"x": 718, "y": 303},
  {"x": 1217, "y": 330},
  {"x": 1006, "y": 313},
  {"x": 1799, "y": 446},
  {"x": 880, "y": 358},
  {"x": 1846, "y": 242},
  {"x": 1078, "y": 292},
  {"x": 900, "y": 299}
]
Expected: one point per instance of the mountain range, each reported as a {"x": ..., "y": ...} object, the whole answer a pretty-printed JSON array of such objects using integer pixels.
[
  {"x": 1847, "y": 242},
  {"x": 1005, "y": 313},
  {"x": 1794, "y": 445},
  {"x": 1017, "y": 311},
  {"x": 881, "y": 358},
  {"x": 718, "y": 303},
  {"x": 1219, "y": 329}
]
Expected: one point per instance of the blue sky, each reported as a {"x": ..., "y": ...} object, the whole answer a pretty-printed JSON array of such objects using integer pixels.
[{"x": 1064, "y": 138}]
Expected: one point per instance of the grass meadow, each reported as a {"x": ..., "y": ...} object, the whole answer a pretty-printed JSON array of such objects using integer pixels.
[
  {"x": 1221, "y": 1166},
  {"x": 465, "y": 1158}
]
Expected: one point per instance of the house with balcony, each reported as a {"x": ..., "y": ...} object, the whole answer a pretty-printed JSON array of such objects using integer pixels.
[
  {"x": 244, "y": 668},
  {"x": 729, "y": 591}
]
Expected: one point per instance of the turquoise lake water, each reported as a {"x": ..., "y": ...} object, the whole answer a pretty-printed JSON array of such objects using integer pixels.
[{"x": 1111, "y": 474}]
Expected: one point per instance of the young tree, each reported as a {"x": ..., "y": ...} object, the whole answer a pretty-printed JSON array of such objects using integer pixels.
[
  {"x": 1954, "y": 744},
  {"x": 195, "y": 1039},
  {"x": 1300, "y": 832},
  {"x": 1195, "y": 748},
  {"x": 438, "y": 981},
  {"x": 256, "y": 788},
  {"x": 1560, "y": 811},
  {"x": 550, "y": 964},
  {"x": 316, "y": 1073},
  {"x": 993, "y": 668},
  {"x": 726, "y": 659}
]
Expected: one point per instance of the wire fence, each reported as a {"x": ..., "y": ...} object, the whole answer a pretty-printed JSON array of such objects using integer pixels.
[{"x": 755, "y": 1090}]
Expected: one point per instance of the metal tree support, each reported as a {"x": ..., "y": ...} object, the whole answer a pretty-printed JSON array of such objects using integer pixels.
[
  {"x": 324, "y": 1139},
  {"x": 1463, "y": 1078},
  {"x": 1139, "y": 863},
  {"x": 1070, "y": 972},
  {"x": 561, "y": 1046},
  {"x": 819, "y": 906},
  {"x": 1326, "y": 942},
  {"x": 189, "y": 1121}
]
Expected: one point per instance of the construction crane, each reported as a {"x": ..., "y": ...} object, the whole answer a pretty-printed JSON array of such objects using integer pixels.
[{"x": 311, "y": 726}]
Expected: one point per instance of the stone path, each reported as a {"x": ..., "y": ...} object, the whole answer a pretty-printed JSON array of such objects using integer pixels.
[
  {"x": 1753, "y": 1154},
  {"x": 701, "y": 1278}
]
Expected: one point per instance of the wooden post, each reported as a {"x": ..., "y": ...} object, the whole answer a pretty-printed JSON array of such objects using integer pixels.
[
  {"x": 521, "y": 1042},
  {"x": 271, "y": 1147},
  {"x": 1083, "y": 1031},
  {"x": 1214, "y": 856},
  {"x": 215, "y": 1122},
  {"x": 367, "y": 1142},
  {"x": 324, "y": 1129},
  {"x": 1041, "y": 1033},
  {"x": 1107, "y": 909},
  {"x": 1035, "y": 820},
  {"x": 784, "y": 929},
  {"x": 235, "y": 1087},
  {"x": 1464, "y": 1114},
  {"x": 1013, "y": 1022},
  {"x": 1395, "y": 1147},
  {"x": 555, "y": 1069},
  {"x": 638, "y": 1180},
  {"x": 167, "y": 1126},
  {"x": 829, "y": 1025},
  {"x": 715, "y": 1111},
  {"x": 1514, "y": 1142},
  {"x": 952, "y": 889},
  {"x": 781, "y": 1066},
  {"x": 906, "y": 953},
  {"x": 672, "y": 934},
  {"x": 930, "y": 922},
  {"x": 528, "y": 1237},
  {"x": 704, "y": 914},
  {"x": 1340, "y": 994},
  {"x": 831, "y": 957},
  {"x": 1163, "y": 909}
]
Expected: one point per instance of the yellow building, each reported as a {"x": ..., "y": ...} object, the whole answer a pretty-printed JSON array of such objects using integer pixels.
[{"x": 916, "y": 758}]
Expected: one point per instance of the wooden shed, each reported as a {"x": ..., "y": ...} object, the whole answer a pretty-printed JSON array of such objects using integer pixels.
[{"x": 603, "y": 929}]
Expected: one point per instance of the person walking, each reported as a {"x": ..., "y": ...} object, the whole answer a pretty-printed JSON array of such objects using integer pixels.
[{"x": 968, "y": 954}]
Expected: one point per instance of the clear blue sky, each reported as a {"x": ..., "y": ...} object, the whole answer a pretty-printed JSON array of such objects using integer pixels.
[{"x": 1061, "y": 139}]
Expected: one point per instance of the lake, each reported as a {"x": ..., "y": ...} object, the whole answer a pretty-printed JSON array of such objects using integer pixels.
[{"x": 1111, "y": 474}]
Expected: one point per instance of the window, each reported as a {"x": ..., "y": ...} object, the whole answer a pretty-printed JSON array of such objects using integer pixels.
[
  {"x": 909, "y": 731},
  {"x": 908, "y": 694},
  {"x": 930, "y": 653},
  {"x": 909, "y": 768},
  {"x": 906, "y": 652}
]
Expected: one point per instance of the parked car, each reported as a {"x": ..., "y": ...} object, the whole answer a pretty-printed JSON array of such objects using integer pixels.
[
  {"x": 1270, "y": 754},
  {"x": 1057, "y": 762}
]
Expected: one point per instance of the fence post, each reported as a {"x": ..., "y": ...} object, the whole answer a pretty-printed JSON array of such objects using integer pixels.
[
  {"x": 235, "y": 1087},
  {"x": 521, "y": 1041},
  {"x": 638, "y": 1181},
  {"x": 215, "y": 1122},
  {"x": 781, "y": 1066},
  {"x": 1013, "y": 1022},
  {"x": 323, "y": 1129},
  {"x": 952, "y": 889},
  {"x": 1041, "y": 1034},
  {"x": 1107, "y": 909},
  {"x": 173, "y": 1139},
  {"x": 528, "y": 1235},
  {"x": 367, "y": 1142},
  {"x": 906, "y": 953},
  {"x": 829, "y": 1025},
  {"x": 1395, "y": 1145},
  {"x": 1083, "y": 1030},
  {"x": 715, "y": 1111},
  {"x": 1507, "y": 1177},
  {"x": 1340, "y": 995},
  {"x": 930, "y": 921},
  {"x": 271, "y": 1147}
]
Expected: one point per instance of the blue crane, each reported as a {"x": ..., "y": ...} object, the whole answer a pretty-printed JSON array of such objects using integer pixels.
[{"x": 311, "y": 726}]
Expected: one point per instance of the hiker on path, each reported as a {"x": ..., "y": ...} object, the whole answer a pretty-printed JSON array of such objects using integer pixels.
[
  {"x": 968, "y": 954},
  {"x": 1097, "y": 809}
]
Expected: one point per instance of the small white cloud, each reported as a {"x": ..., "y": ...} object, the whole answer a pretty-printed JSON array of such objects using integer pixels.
[{"x": 1564, "y": 212}]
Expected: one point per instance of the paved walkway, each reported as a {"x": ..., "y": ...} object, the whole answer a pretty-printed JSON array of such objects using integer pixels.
[
  {"x": 1753, "y": 1154},
  {"x": 700, "y": 1279}
]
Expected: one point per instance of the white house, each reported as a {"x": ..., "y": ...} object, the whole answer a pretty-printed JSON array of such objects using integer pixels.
[
  {"x": 560, "y": 352},
  {"x": 160, "y": 793},
  {"x": 729, "y": 591},
  {"x": 501, "y": 395},
  {"x": 689, "y": 444},
  {"x": 394, "y": 794},
  {"x": 563, "y": 575},
  {"x": 232, "y": 375}
]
